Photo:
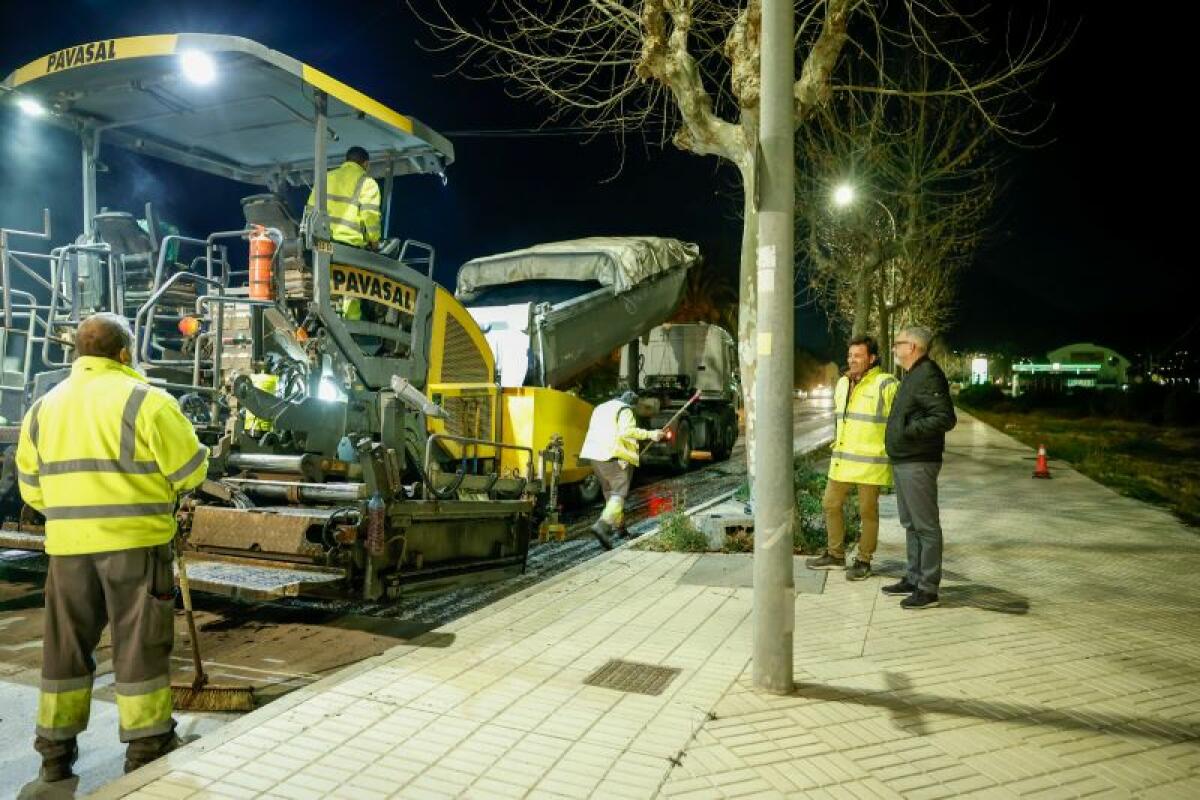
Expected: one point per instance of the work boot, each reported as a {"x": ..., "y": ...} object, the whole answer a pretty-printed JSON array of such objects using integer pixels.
[
  {"x": 601, "y": 530},
  {"x": 827, "y": 561},
  {"x": 141, "y": 752},
  {"x": 903, "y": 587},
  {"x": 57, "y": 767},
  {"x": 859, "y": 571},
  {"x": 918, "y": 600}
]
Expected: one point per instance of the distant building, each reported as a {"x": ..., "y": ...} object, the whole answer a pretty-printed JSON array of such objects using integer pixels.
[
  {"x": 1076, "y": 366},
  {"x": 971, "y": 367},
  {"x": 1179, "y": 367}
]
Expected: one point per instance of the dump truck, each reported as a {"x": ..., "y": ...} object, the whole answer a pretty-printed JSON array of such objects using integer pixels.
[
  {"x": 361, "y": 452},
  {"x": 689, "y": 368},
  {"x": 551, "y": 311}
]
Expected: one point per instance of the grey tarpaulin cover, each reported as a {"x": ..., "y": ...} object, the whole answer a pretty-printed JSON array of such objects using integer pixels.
[{"x": 617, "y": 262}]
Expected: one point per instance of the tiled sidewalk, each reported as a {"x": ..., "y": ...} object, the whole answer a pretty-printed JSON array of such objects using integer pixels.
[{"x": 1063, "y": 663}]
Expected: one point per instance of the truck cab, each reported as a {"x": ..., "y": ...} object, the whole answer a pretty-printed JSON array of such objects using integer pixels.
[{"x": 675, "y": 362}]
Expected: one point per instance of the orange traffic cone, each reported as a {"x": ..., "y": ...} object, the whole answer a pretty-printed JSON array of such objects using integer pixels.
[{"x": 1042, "y": 470}]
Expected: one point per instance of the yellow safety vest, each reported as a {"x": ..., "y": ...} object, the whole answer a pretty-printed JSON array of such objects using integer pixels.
[
  {"x": 353, "y": 205},
  {"x": 859, "y": 454},
  {"x": 103, "y": 456},
  {"x": 613, "y": 433}
]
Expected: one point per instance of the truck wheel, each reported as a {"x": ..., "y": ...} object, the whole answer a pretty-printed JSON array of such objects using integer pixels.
[
  {"x": 682, "y": 459},
  {"x": 723, "y": 438}
]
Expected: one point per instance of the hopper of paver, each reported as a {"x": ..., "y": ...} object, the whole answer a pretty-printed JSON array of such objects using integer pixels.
[{"x": 551, "y": 311}]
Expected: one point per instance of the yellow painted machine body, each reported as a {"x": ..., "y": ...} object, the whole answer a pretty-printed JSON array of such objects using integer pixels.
[
  {"x": 533, "y": 414},
  {"x": 462, "y": 381}
]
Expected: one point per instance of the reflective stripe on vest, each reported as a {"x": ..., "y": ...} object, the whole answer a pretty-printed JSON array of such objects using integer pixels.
[
  {"x": 124, "y": 463},
  {"x": 855, "y": 457},
  {"x": 345, "y": 208}
]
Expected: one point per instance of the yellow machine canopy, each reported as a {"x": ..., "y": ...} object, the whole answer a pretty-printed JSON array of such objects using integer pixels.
[{"x": 221, "y": 104}]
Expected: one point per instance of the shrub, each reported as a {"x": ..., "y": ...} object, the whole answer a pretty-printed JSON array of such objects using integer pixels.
[
  {"x": 1146, "y": 402},
  {"x": 1181, "y": 407},
  {"x": 808, "y": 531},
  {"x": 677, "y": 532},
  {"x": 740, "y": 541},
  {"x": 982, "y": 395}
]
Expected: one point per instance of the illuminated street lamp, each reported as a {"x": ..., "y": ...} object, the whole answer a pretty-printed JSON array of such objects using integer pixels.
[{"x": 844, "y": 196}]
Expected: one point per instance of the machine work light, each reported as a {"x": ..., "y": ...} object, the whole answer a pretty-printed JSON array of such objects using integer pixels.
[{"x": 198, "y": 67}]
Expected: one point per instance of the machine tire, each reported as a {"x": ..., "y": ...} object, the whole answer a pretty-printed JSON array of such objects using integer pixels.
[
  {"x": 584, "y": 493},
  {"x": 681, "y": 461}
]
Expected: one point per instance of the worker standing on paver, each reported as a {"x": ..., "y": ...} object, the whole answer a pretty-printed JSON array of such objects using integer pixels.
[
  {"x": 612, "y": 447},
  {"x": 353, "y": 202},
  {"x": 862, "y": 403},
  {"x": 103, "y": 456}
]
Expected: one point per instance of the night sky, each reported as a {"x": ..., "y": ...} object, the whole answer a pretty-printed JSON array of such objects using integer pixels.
[{"x": 1085, "y": 233}]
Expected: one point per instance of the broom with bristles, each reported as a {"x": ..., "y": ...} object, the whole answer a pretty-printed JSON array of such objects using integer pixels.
[{"x": 199, "y": 695}]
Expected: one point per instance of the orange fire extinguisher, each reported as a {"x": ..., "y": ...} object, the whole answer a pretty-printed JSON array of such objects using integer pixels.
[{"x": 262, "y": 255}]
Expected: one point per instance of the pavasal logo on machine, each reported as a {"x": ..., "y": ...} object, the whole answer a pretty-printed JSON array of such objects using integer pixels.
[
  {"x": 366, "y": 285},
  {"x": 81, "y": 54}
]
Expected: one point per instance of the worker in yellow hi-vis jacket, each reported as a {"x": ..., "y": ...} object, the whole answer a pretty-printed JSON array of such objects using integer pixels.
[
  {"x": 612, "y": 447},
  {"x": 104, "y": 456},
  {"x": 859, "y": 461},
  {"x": 353, "y": 202}
]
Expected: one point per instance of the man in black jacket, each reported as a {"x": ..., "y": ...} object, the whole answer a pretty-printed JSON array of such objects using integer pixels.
[{"x": 915, "y": 438}]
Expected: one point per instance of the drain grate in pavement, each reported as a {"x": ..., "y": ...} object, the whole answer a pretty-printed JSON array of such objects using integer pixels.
[{"x": 629, "y": 676}]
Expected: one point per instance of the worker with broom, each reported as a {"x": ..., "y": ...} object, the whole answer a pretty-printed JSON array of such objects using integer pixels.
[
  {"x": 104, "y": 456},
  {"x": 612, "y": 447}
]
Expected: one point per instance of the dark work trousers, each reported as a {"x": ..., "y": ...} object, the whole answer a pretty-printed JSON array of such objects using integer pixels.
[
  {"x": 917, "y": 502},
  {"x": 134, "y": 590},
  {"x": 615, "y": 478}
]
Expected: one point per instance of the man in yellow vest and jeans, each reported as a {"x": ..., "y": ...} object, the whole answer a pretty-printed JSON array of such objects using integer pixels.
[
  {"x": 103, "y": 456},
  {"x": 612, "y": 446},
  {"x": 862, "y": 403}
]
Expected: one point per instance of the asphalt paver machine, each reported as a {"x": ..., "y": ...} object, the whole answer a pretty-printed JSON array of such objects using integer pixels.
[{"x": 359, "y": 451}]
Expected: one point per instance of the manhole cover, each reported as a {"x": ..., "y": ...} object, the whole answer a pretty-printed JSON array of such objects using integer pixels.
[{"x": 629, "y": 676}]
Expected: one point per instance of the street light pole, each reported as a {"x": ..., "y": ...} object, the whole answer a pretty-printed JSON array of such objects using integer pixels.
[
  {"x": 895, "y": 236},
  {"x": 774, "y": 586},
  {"x": 843, "y": 196}
]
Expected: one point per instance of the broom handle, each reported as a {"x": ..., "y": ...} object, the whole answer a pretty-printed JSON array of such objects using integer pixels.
[
  {"x": 676, "y": 416},
  {"x": 682, "y": 409},
  {"x": 186, "y": 591}
]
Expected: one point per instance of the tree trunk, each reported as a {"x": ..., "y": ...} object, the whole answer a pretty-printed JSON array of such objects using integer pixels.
[
  {"x": 862, "y": 301},
  {"x": 748, "y": 307},
  {"x": 885, "y": 331}
]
